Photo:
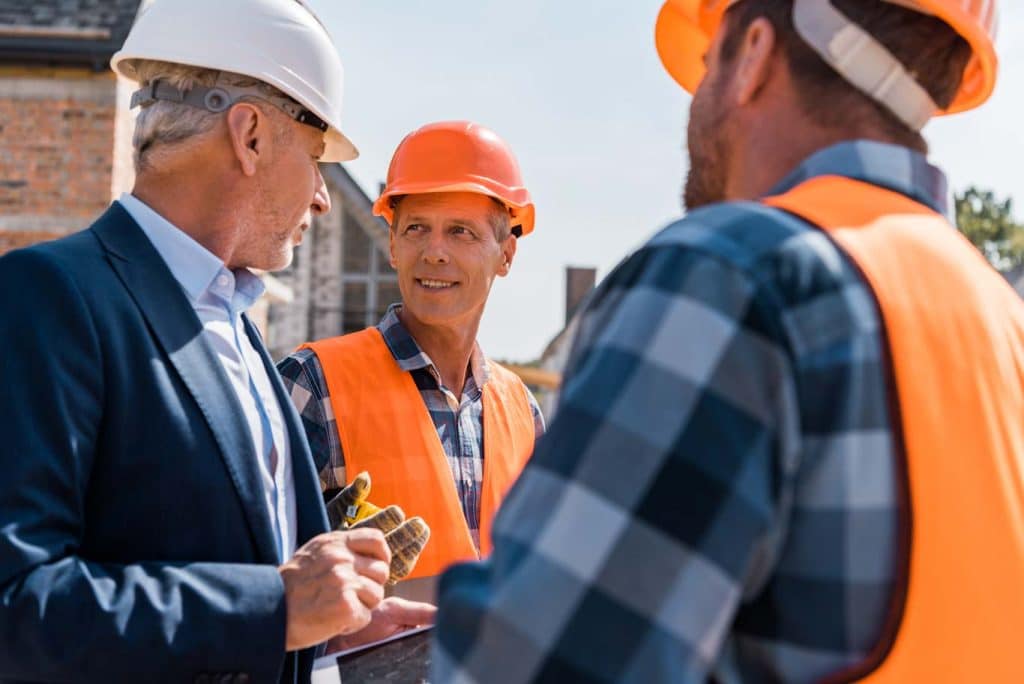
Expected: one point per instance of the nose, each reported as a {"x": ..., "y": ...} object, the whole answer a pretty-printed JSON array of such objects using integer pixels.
[
  {"x": 435, "y": 251},
  {"x": 321, "y": 197}
]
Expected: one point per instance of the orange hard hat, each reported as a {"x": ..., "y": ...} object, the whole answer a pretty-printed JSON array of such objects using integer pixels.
[
  {"x": 685, "y": 28},
  {"x": 457, "y": 156}
]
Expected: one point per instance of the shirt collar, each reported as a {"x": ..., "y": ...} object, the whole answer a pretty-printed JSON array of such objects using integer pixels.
[
  {"x": 896, "y": 168},
  {"x": 199, "y": 272},
  {"x": 410, "y": 356}
]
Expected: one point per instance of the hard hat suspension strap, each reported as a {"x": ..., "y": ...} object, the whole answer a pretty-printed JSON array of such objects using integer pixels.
[
  {"x": 220, "y": 97},
  {"x": 863, "y": 61}
]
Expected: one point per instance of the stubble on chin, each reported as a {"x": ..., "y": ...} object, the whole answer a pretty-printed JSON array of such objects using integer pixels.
[{"x": 706, "y": 134}]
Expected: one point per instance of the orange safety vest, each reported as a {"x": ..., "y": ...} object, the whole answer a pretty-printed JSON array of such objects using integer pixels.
[
  {"x": 386, "y": 430},
  {"x": 954, "y": 333}
]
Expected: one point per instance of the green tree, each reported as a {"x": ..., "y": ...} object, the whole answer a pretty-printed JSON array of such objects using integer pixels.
[{"x": 988, "y": 223}]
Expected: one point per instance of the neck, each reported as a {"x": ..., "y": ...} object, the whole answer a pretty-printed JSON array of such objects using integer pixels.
[
  {"x": 195, "y": 203},
  {"x": 769, "y": 148},
  {"x": 449, "y": 347}
]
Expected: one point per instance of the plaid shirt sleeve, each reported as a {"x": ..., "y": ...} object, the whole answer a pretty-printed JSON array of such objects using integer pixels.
[
  {"x": 538, "y": 417},
  {"x": 304, "y": 381}
]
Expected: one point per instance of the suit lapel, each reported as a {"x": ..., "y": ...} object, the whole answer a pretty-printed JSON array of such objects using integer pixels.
[
  {"x": 312, "y": 518},
  {"x": 177, "y": 328}
]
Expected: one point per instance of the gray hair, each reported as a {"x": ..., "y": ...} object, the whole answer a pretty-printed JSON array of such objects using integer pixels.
[{"x": 166, "y": 124}]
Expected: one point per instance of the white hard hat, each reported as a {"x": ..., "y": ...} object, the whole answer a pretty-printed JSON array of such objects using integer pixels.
[{"x": 279, "y": 42}]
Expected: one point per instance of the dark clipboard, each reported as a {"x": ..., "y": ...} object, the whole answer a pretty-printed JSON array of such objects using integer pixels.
[{"x": 403, "y": 657}]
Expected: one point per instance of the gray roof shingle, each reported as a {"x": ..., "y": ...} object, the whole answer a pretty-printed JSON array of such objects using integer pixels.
[{"x": 64, "y": 32}]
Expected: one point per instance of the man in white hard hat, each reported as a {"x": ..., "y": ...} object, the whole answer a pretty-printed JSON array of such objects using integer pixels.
[{"x": 160, "y": 515}]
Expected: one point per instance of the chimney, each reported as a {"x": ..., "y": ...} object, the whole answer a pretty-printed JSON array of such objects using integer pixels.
[{"x": 578, "y": 284}]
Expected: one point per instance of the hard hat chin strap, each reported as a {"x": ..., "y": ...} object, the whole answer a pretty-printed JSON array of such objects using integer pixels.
[
  {"x": 863, "y": 61},
  {"x": 220, "y": 97}
]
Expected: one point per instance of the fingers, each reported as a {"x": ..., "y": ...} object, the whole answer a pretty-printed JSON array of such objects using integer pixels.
[
  {"x": 367, "y": 541},
  {"x": 406, "y": 543},
  {"x": 351, "y": 496},
  {"x": 356, "y": 491},
  {"x": 354, "y": 613},
  {"x": 408, "y": 613},
  {"x": 370, "y": 593},
  {"x": 385, "y": 520},
  {"x": 374, "y": 569}
]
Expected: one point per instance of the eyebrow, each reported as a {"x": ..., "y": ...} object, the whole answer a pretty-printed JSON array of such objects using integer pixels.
[{"x": 447, "y": 219}]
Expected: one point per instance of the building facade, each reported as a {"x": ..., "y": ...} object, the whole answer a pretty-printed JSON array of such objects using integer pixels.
[
  {"x": 63, "y": 116},
  {"x": 66, "y": 154},
  {"x": 341, "y": 278}
]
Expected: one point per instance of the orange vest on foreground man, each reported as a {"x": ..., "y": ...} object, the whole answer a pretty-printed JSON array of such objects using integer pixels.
[
  {"x": 955, "y": 340},
  {"x": 386, "y": 430}
]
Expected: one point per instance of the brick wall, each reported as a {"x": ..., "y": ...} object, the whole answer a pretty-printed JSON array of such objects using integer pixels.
[
  {"x": 13, "y": 239},
  {"x": 57, "y": 127}
]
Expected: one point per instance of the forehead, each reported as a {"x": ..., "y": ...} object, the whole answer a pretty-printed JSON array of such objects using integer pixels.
[{"x": 467, "y": 205}]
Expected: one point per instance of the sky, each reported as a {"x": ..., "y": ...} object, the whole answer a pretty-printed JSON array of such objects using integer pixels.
[{"x": 598, "y": 127}]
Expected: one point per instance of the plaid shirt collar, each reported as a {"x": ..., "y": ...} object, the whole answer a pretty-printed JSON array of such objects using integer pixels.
[
  {"x": 411, "y": 357},
  {"x": 889, "y": 166}
]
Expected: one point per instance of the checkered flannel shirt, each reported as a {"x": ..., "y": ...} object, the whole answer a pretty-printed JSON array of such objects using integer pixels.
[
  {"x": 718, "y": 495},
  {"x": 459, "y": 421}
]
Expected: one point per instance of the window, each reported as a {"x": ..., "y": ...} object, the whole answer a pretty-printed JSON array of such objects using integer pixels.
[
  {"x": 356, "y": 248},
  {"x": 387, "y": 294},
  {"x": 369, "y": 284},
  {"x": 354, "y": 307}
]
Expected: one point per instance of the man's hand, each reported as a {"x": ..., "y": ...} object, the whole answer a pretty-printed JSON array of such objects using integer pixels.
[
  {"x": 406, "y": 538},
  {"x": 392, "y": 616},
  {"x": 332, "y": 583}
]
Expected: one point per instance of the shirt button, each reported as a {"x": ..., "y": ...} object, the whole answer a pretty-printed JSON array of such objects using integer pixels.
[{"x": 223, "y": 280}]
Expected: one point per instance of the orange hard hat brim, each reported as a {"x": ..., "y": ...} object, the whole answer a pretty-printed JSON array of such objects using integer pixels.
[
  {"x": 521, "y": 209},
  {"x": 682, "y": 41}
]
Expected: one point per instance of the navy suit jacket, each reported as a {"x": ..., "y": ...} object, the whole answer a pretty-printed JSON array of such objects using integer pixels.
[{"x": 134, "y": 541}]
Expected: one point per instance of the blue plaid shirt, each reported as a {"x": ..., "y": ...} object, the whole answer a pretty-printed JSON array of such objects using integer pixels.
[
  {"x": 718, "y": 496},
  {"x": 459, "y": 420}
]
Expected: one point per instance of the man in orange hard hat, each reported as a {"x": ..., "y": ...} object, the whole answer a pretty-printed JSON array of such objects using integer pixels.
[
  {"x": 441, "y": 430},
  {"x": 790, "y": 443}
]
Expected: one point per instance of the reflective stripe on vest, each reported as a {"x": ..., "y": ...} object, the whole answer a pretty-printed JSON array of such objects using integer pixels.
[
  {"x": 385, "y": 429},
  {"x": 955, "y": 335}
]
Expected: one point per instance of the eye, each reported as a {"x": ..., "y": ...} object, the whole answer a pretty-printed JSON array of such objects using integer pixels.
[
  {"x": 462, "y": 231},
  {"x": 414, "y": 228}
]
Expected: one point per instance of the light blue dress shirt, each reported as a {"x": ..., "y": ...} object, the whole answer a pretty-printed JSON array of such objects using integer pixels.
[{"x": 219, "y": 298}]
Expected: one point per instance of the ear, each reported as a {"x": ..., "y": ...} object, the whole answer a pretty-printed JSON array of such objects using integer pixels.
[
  {"x": 753, "y": 61},
  {"x": 249, "y": 131},
  {"x": 508, "y": 253},
  {"x": 391, "y": 248}
]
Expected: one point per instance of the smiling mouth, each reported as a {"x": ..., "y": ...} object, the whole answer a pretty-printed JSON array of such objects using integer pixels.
[{"x": 432, "y": 284}]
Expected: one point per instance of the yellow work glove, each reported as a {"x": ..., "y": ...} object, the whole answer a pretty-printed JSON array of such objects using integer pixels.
[{"x": 406, "y": 538}]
